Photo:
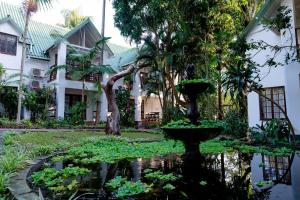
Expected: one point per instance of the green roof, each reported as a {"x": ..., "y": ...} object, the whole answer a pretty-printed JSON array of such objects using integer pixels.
[
  {"x": 258, "y": 17},
  {"x": 121, "y": 60},
  {"x": 42, "y": 36},
  {"x": 117, "y": 49}
]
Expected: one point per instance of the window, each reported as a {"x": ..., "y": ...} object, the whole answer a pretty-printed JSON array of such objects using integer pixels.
[
  {"x": 298, "y": 41},
  {"x": 269, "y": 110},
  {"x": 8, "y": 44}
]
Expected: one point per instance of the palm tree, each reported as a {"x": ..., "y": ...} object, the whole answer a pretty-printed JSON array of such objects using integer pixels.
[
  {"x": 84, "y": 65},
  {"x": 29, "y": 7},
  {"x": 72, "y": 18}
]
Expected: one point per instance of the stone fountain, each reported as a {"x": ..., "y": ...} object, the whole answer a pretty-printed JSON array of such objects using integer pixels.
[{"x": 193, "y": 132}]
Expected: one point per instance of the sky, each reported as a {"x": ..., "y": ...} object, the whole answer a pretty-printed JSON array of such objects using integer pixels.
[{"x": 91, "y": 8}]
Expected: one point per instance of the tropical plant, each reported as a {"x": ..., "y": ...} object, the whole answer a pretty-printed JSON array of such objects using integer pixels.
[
  {"x": 9, "y": 100},
  {"x": 72, "y": 18},
  {"x": 82, "y": 65},
  {"x": 126, "y": 107},
  {"x": 236, "y": 125},
  {"x": 272, "y": 131},
  {"x": 29, "y": 7},
  {"x": 178, "y": 37},
  {"x": 76, "y": 113},
  {"x": 38, "y": 102}
]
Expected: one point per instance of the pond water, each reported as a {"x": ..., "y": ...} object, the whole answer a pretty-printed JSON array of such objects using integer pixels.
[{"x": 216, "y": 177}]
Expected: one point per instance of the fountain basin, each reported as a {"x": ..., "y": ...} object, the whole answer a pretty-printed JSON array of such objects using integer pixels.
[{"x": 192, "y": 134}]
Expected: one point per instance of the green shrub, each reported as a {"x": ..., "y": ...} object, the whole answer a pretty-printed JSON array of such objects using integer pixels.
[
  {"x": 273, "y": 131},
  {"x": 75, "y": 115},
  {"x": 126, "y": 107},
  {"x": 55, "y": 123},
  {"x": 235, "y": 125},
  {"x": 7, "y": 123}
]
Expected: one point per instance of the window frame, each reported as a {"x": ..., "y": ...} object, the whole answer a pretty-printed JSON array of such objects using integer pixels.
[
  {"x": 262, "y": 118},
  {"x": 16, "y": 37}
]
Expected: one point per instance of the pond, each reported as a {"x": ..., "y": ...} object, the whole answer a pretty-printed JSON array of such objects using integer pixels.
[{"x": 224, "y": 176}]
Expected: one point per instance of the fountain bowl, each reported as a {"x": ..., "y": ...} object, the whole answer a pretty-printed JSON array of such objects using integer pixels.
[
  {"x": 192, "y": 134},
  {"x": 196, "y": 86}
]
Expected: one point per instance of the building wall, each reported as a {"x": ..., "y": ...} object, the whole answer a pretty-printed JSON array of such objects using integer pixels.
[
  {"x": 287, "y": 75},
  {"x": 152, "y": 105},
  {"x": 11, "y": 63}
]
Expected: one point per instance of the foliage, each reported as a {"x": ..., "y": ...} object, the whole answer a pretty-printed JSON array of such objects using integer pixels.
[
  {"x": 124, "y": 188},
  {"x": 76, "y": 113},
  {"x": 125, "y": 106},
  {"x": 203, "y": 124},
  {"x": 59, "y": 181},
  {"x": 272, "y": 131},
  {"x": 38, "y": 102},
  {"x": 72, "y": 18},
  {"x": 238, "y": 80},
  {"x": 235, "y": 125},
  {"x": 9, "y": 99},
  {"x": 113, "y": 149},
  {"x": 169, "y": 187},
  {"x": 222, "y": 146},
  {"x": 158, "y": 176},
  {"x": 264, "y": 183},
  {"x": 280, "y": 21},
  {"x": 178, "y": 37}
]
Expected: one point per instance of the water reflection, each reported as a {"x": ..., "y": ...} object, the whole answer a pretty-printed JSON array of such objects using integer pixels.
[{"x": 232, "y": 176}]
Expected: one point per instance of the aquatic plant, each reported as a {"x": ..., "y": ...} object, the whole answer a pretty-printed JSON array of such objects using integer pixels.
[
  {"x": 124, "y": 188},
  {"x": 59, "y": 181}
]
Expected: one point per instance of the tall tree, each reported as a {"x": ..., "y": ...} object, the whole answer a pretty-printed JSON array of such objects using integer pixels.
[
  {"x": 174, "y": 37},
  {"x": 72, "y": 18},
  {"x": 29, "y": 7}
]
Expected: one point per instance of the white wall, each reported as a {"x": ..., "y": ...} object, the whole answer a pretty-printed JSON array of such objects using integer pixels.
[
  {"x": 287, "y": 75},
  {"x": 11, "y": 63}
]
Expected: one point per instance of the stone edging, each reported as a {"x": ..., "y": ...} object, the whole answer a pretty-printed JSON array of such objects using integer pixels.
[{"x": 18, "y": 184}]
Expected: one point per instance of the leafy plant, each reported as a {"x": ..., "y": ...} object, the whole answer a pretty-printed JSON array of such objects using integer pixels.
[
  {"x": 9, "y": 99},
  {"x": 124, "y": 188},
  {"x": 38, "y": 102},
  {"x": 59, "y": 181},
  {"x": 125, "y": 106},
  {"x": 235, "y": 125},
  {"x": 169, "y": 187},
  {"x": 159, "y": 176},
  {"x": 273, "y": 131},
  {"x": 76, "y": 113}
]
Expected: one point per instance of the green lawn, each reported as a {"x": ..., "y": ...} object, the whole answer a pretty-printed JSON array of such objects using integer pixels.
[{"x": 74, "y": 137}]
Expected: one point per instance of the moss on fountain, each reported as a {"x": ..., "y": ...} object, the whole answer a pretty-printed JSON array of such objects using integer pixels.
[
  {"x": 185, "y": 124},
  {"x": 196, "y": 86}
]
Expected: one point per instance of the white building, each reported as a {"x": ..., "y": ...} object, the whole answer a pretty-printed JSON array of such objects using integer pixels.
[
  {"x": 282, "y": 83},
  {"x": 48, "y": 46}
]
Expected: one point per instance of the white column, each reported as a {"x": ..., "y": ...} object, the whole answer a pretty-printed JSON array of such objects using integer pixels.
[
  {"x": 60, "y": 78},
  {"x": 61, "y": 60},
  {"x": 26, "y": 113},
  {"x": 60, "y": 102},
  {"x": 103, "y": 101},
  {"x": 137, "y": 92}
]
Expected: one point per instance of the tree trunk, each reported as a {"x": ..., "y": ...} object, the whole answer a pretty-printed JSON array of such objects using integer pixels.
[
  {"x": 24, "y": 54},
  {"x": 113, "y": 120},
  {"x": 220, "y": 105}
]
